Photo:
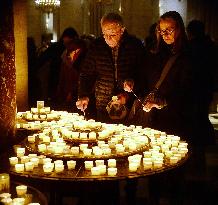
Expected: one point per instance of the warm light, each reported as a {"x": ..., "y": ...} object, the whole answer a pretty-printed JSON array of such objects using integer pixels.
[{"x": 47, "y": 6}]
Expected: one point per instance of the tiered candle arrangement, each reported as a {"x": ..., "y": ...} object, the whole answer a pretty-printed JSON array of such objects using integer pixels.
[{"x": 101, "y": 147}]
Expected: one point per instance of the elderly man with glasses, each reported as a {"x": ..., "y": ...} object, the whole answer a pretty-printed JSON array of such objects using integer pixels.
[{"x": 111, "y": 66}]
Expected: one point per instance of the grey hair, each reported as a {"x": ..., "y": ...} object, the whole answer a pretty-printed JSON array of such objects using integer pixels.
[{"x": 112, "y": 18}]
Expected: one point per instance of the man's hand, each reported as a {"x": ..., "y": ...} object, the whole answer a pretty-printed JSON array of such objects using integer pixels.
[
  {"x": 128, "y": 85},
  {"x": 82, "y": 103},
  {"x": 149, "y": 105}
]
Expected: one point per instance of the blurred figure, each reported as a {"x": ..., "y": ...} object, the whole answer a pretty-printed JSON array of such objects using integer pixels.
[
  {"x": 49, "y": 64},
  {"x": 72, "y": 57},
  {"x": 151, "y": 39},
  {"x": 113, "y": 58},
  {"x": 32, "y": 80}
]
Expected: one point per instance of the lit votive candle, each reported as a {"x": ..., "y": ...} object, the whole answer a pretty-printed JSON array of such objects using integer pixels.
[
  {"x": 71, "y": 164},
  {"x": 112, "y": 171},
  {"x": 75, "y": 135},
  {"x": 19, "y": 168},
  {"x": 41, "y": 157},
  {"x": 133, "y": 167},
  {"x": 168, "y": 154},
  {"x": 147, "y": 165},
  {"x": 88, "y": 165},
  {"x": 103, "y": 169},
  {"x": 83, "y": 135},
  {"x": 83, "y": 146},
  {"x": 75, "y": 150},
  {"x": 5, "y": 195},
  {"x": 24, "y": 159},
  {"x": 58, "y": 161},
  {"x": 47, "y": 160},
  {"x": 98, "y": 152},
  {"x": 19, "y": 201},
  {"x": 20, "y": 151},
  {"x": 59, "y": 168},
  {"x": 13, "y": 161},
  {"x": 42, "y": 147},
  {"x": 158, "y": 164},
  {"x": 21, "y": 190},
  {"x": 106, "y": 151},
  {"x": 48, "y": 168},
  {"x": 7, "y": 201},
  {"x": 132, "y": 147},
  {"x": 92, "y": 135},
  {"x": 173, "y": 160},
  {"x": 29, "y": 166},
  {"x": 99, "y": 162},
  {"x": 46, "y": 139},
  {"x": 174, "y": 150},
  {"x": 87, "y": 152},
  {"x": 35, "y": 161},
  {"x": 179, "y": 156},
  {"x": 95, "y": 171},
  {"x": 31, "y": 138},
  {"x": 111, "y": 163},
  {"x": 147, "y": 154},
  {"x": 34, "y": 110}
]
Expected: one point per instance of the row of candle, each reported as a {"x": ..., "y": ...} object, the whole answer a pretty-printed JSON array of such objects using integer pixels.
[{"x": 23, "y": 198}]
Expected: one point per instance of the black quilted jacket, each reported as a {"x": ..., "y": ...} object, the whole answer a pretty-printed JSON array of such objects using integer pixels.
[{"x": 97, "y": 73}]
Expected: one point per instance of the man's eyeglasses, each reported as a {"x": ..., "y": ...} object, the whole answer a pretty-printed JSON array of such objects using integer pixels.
[
  {"x": 110, "y": 35},
  {"x": 166, "y": 31}
]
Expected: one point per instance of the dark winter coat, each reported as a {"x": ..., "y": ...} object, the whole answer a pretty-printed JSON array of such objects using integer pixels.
[{"x": 97, "y": 73}]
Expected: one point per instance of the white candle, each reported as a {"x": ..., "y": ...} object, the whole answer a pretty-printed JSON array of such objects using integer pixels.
[
  {"x": 132, "y": 146},
  {"x": 99, "y": 162},
  {"x": 147, "y": 165},
  {"x": 19, "y": 201},
  {"x": 75, "y": 150},
  {"x": 21, "y": 190},
  {"x": 111, "y": 163},
  {"x": 29, "y": 166},
  {"x": 87, "y": 152},
  {"x": 103, "y": 169},
  {"x": 13, "y": 161},
  {"x": 35, "y": 161},
  {"x": 47, "y": 160},
  {"x": 7, "y": 201},
  {"x": 71, "y": 164},
  {"x": 158, "y": 164},
  {"x": 173, "y": 160},
  {"x": 112, "y": 171},
  {"x": 20, "y": 151},
  {"x": 5, "y": 195},
  {"x": 48, "y": 168},
  {"x": 42, "y": 147},
  {"x": 147, "y": 154},
  {"x": 88, "y": 165},
  {"x": 83, "y": 146},
  {"x": 59, "y": 168},
  {"x": 24, "y": 159},
  {"x": 95, "y": 171},
  {"x": 133, "y": 167},
  {"x": 31, "y": 139},
  {"x": 46, "y": 139},
  {"x": 75, "y": 135},
  {"x": 19, "y": 168},
  {"x": 83, "y": 135},
  {"x": 92, "y": 135}
]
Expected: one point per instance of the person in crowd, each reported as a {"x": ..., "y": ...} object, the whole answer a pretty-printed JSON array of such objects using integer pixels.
[
  {"x": 32, "y": 80},
  {"x": 49, "y": 64},
  {"x": 203, "y": 55},
  {"x": 168, "y": 107},
  {"x": 72, "y": 57},
  {"x": 150, "y": 40},
  {"x": 113, "y": 60},
  {"x": 114, "y": 57}
]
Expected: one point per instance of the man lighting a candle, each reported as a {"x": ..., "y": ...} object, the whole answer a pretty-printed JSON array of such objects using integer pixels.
[{"x": 112, "y": 59}]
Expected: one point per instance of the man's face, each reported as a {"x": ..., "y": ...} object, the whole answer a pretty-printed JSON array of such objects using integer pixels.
[{"x": 112, "y": 33}]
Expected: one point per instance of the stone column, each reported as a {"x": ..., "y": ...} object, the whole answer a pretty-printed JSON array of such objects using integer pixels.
[
  {"x": 20, "y": 35},
  {"x": 7, "y": 74}
]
